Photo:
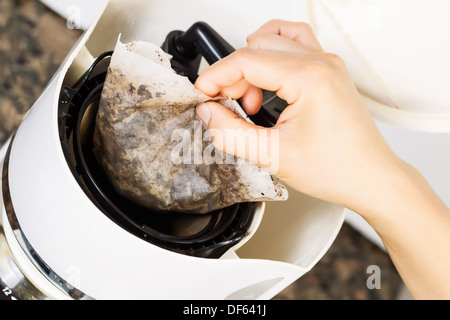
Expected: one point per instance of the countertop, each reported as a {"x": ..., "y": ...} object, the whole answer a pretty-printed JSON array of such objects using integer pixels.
[{"x": 33, "y": 43}]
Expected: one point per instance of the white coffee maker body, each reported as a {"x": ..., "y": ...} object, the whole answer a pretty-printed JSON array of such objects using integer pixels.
[{"x": 57, "y": 244}]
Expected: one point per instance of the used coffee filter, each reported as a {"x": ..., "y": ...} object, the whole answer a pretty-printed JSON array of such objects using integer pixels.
[{"x": 151, "y": 145}]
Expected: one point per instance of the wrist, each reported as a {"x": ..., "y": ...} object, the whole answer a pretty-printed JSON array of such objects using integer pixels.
[
  {"x": 385, "y": 184},
  {"x": 398, "y": 193}
]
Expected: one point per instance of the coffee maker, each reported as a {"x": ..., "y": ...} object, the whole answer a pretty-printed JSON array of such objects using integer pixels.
[{"x": 65, "y": 233}]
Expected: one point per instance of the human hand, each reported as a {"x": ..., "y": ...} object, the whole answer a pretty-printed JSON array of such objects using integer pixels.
[{"x": 327, "y": 144}]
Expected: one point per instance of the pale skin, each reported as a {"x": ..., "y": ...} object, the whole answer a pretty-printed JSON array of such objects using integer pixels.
[{"x": 330, "y": 147}]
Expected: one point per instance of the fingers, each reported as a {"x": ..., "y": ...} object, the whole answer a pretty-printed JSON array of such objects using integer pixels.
[
  {"x": 274, "y": 54},
  {"x": 263, "y": 69},
  {"x": 288, "y": 74},
  {"x": 298, "y": 32},
  {"x": 222, "y": 125},
  {"x": 234, "y": 135},
  {"x": 269, "y": 41},
  {"x": 251, "y": 100},
  {"x": 250, "y": 96}
]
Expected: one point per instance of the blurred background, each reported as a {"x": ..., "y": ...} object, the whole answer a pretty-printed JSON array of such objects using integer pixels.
[{"x": 34, "y": 41}]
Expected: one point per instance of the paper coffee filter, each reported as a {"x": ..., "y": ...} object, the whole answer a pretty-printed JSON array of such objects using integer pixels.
[{"x": 147, "y": 111}]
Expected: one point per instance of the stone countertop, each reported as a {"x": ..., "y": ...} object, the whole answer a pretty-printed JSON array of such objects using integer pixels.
[{"x": 33, "y": 43}]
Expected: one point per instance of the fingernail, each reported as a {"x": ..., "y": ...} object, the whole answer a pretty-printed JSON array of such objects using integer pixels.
[{"x": 203, "y": 114}]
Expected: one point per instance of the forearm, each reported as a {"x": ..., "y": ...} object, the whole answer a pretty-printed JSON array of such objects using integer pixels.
[{"x": 414, "y": 225}]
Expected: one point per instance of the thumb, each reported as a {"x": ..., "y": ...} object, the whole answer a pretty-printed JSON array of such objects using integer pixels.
[{"x": 236, "y": 136}]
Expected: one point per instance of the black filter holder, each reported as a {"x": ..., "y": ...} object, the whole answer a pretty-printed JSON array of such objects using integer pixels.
[{"x": 225, "y": 228}]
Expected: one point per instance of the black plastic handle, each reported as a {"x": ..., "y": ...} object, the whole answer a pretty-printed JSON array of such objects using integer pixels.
[{"x": 201, "y": 38}]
